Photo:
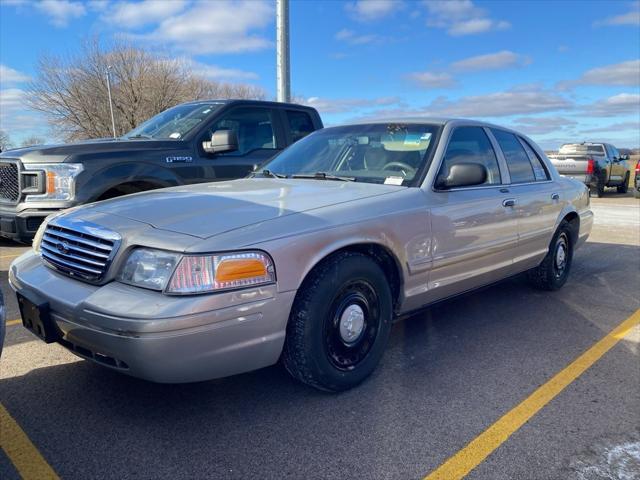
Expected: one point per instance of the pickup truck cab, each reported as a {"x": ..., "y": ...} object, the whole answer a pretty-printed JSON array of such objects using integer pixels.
[
  {"x": 598, "y": 165},
  {"x": 194, "y": 142}
]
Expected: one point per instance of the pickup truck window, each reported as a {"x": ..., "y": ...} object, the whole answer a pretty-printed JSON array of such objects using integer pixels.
[
  {"x": 175, "y": 123},
  {"x": 518, "y": 162},
  {"x": 580, "y": 148},
  {"x": 253, "y": 126},
  {"x": 539, "y": 169},
  {"x": 471, "y": 145},
  {"x": 300, "y": 123}
]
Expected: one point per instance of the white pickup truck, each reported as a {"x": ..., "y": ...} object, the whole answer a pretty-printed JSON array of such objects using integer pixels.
[{"x": 598, "y": 165}]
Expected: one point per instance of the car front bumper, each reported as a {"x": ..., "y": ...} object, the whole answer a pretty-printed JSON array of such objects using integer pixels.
[
  {"x": 167, "y": 339},
  {"x": 20, "y": 223}
]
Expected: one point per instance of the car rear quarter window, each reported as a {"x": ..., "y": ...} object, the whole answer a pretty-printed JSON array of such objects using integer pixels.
[
  {"x": 539, "y": 170},
  {"x": 471, "y": 145},
  {"x": 520, "y": 167},
  {"x": 300, "y": 124}
]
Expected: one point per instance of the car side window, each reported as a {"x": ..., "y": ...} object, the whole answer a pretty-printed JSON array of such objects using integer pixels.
[
  {"x": 471, "y": 145},
  {"x": 539, "y": 170},
  {"x": 520, "y": 168},
  {"x": 253, "y": 127},
  {"x": 614, "y": 152},
  {"x": 300, "y": 124}
]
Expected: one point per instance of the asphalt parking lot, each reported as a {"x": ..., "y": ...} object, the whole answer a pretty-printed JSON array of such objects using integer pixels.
[{"x": 457, "y": 370}]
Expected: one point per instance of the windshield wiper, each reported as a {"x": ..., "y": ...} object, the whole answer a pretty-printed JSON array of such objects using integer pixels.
[
  {"x": 269, "y": 173},
  {"x": 140, "y": 135},
  {"x": 324, "y": 176}
]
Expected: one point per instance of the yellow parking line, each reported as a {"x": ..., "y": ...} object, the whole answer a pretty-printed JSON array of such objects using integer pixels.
[
  {"x": 16, "y": 255},
  {"x": 460, "y": 464},
  {"x": 13, "y": 322},
  {"x": 28, "y": 461}
]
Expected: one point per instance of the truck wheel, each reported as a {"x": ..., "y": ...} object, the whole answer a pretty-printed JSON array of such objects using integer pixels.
[
  {"x": 339, "y": 324},
  {"x": 553, "y": 272},
  {"x": 625, "y": 186}
]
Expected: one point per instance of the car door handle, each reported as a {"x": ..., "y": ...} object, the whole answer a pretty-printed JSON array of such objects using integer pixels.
[
  {"x": 509, "y": 202},
  {"x": 555, "y": 196}
]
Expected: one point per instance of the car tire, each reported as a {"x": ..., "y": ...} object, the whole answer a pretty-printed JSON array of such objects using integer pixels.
[
  {"x": 340, "y": 323},
  {"x": 625, "y": 185},
  {"x": 553, "y": 272}
]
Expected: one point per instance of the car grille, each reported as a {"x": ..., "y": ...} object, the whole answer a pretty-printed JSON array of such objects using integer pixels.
[
  {"x": 77, "y": 253},
  {"x": 9, "y": 182}
]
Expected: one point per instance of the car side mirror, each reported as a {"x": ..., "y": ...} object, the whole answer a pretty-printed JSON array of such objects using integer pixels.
[
  {"x": 221, "y": 141},
  {"x": 463, "y": 175},
  {"x": 624, "y": 157}
]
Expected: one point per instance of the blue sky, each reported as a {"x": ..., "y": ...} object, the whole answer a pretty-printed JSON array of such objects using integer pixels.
[{"x": 557, "y": 70}]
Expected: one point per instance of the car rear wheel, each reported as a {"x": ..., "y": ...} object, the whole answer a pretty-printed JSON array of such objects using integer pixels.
[
  {"x": 625, "y": 185},
  {"x": 553, "y": 272},
  {"x": 339, "y": 324}
]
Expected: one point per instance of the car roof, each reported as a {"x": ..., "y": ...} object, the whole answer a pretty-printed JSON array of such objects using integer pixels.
[{"x": 441, "y": 121}]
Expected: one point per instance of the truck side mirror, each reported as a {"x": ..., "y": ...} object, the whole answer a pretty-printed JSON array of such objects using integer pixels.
[{"x": 221, "y": 141}]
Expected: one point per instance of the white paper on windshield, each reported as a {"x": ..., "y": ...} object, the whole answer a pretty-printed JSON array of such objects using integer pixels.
[{"x": 393, "y": 181}]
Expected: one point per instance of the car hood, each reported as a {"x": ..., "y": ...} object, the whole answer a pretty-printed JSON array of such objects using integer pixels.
[
  {"x": 81, "y": 151},
  {"x": 210, "y": 209}
]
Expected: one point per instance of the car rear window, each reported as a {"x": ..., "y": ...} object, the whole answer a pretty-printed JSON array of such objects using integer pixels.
[
  {"x": 517, "y": 159},
  {"x": 539, "y": 170}
]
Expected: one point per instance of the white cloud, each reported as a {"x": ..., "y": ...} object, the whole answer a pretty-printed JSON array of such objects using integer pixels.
[
  {"x": 542, "y": 125},
  {"x": 61, "y": 12},
  {"x": 371, "y": 10},
  {"x": 137, "y": 14},
  {"x": 9, "y": 75},
  {"x": 632, "y": 17},
  {"x": 616, "y": 127},
  {"x": 461, "y": 17},
  {"x": 348, "y": 104},
  {"x": 491, "y": 61},
  {"x": 625, "y": 73},
  {"x": 215, "y": 72},
  {"x": 223, "y": 26},
  {"x": 621, "y": 104},
  {"x": 432, "y": 79},
  {"x": 350, "y": 37}
]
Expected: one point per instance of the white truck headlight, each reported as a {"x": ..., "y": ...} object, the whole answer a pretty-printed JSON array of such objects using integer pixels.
[{"x": 59, "y": 181}]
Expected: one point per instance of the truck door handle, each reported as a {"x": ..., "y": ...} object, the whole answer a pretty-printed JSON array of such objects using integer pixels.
[
  {"x": 555, "y": 196},
  {"x": 509, "y": 202}
]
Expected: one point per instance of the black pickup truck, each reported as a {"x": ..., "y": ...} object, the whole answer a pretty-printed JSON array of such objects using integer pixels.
[{"x": 194, "y": 142}]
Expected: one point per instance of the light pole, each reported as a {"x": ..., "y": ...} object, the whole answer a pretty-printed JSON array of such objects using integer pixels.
[
  {"x": 282, "y": 51},
  {"x": 113, "y": 122}
]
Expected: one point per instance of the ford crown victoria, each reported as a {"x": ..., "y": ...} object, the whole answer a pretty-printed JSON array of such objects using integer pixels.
[{"x": 309, "y": 261}]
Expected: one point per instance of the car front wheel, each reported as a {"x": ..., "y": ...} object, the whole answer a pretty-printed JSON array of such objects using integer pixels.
[{"x": 340, "y": 323}]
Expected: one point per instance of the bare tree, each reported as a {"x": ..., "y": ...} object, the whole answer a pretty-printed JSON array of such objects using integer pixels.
[
  {"x": 32, "y": 140},
  {"x": 5, "y": 141},
  {"x": 72, "y": 92}
]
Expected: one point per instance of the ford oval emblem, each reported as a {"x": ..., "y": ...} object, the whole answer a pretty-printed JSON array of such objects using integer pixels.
[{"x": 63, "y": 247}]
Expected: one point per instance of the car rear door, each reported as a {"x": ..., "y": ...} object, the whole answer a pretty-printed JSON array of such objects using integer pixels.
[
  {"x": 538, "y": 200},
  {"x": 474, "y": 228},
  {"x": 260, "y": 137}
]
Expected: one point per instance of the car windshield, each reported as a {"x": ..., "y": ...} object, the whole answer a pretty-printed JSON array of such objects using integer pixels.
[
  {"x": 174, "y": 123},
  {"x": 392, "y": 153}
]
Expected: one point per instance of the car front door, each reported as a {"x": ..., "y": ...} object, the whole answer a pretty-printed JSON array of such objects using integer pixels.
[
  {"x": 259, "y": 138},
  {"x": 474, "y": 228},
  {"x": 538, "y": 200}
]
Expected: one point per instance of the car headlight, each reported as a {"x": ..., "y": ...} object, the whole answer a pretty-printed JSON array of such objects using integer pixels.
[
  {"x": 225, "y": 271},
  {"x": 59, "y": 181},
  {"x": 148, "y": 268},
  {"x": 175, "y": 273}
]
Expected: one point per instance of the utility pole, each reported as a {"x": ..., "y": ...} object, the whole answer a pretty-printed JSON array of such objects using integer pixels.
[
  {"x": 282, "y": 51},
  {"x": 113, "y": 122}
]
